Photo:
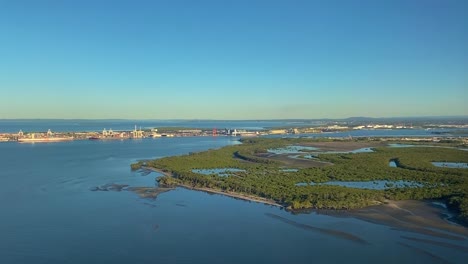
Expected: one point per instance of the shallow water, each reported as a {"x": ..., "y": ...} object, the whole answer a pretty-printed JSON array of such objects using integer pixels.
[
  {"x": 57, "y": 125},
  {"x": 362, "y": 150},
  {"x": 372, "y": 185},
  {"x": 289, "y": 170},
  {"x": 313, "y": 155},
  {"x": 398, "y": 145},
  {"x": 458, "y": 165},
  {"x": 218, "y": 171},
  {"x": 291, "y": 150},
  {"x": 51, "y": 215}
]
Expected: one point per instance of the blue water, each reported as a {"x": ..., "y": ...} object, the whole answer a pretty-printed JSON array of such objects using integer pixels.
[
  {"x": 397, "y": 145},
  {"x": 360, "y": 150},
  {"x": 291, "y": 150},
  {"x": 313, "y": 155},
  {"x": 219, "y": 171},
  {"x": 78, "y": 125},
  {"x": 13, "y": 126},
  {"x": 50, "y": 215},
  {"x": 289, "y": 170},
  {"x": 457, "y": 165},
  {"x": 371, "y": 185}
]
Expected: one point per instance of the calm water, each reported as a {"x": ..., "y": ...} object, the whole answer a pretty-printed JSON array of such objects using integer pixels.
[
  {"x": 49, "y": 215},
  {"x": 292, "y": 150},
  {"x": 457, "y": 165},
  {"x": 371, "y": 185},
  {"x": 13, "y": 126},
  {"x": 221, "y": 171}
]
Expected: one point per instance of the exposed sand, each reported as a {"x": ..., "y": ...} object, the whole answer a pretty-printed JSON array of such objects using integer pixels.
[
  {"x": 413, "y": 216},
  {"x": 326, "y": 231}
]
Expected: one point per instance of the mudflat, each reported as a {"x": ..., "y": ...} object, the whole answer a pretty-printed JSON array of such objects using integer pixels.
[{"x": 413, "y": 216}]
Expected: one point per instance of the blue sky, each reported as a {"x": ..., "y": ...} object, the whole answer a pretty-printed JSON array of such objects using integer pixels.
[{"x": 241, "y": 59}]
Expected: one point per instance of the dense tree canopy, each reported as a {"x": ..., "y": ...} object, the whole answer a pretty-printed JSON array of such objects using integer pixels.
[{"x": 265, "y": 178}]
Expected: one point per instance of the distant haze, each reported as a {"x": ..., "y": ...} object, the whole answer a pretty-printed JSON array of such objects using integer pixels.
[{"x": 233, "y": 59}]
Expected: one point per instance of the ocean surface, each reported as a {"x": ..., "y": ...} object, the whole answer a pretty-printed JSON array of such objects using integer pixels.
[
  {"x": 49, "y": 214},
  {"x": 81, "y": 125}
]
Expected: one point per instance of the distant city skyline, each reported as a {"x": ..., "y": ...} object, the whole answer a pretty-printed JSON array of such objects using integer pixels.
[{"x": 233, "y": 60}]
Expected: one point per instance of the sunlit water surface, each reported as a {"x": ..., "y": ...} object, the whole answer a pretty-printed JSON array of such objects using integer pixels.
[{"x": 50, "y": 215}]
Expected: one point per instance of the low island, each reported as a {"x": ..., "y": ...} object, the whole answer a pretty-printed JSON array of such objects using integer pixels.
[{"x": 304, "y": 173}]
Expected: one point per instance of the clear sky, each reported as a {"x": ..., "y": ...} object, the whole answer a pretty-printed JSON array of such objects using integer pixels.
[{"x": 233, "y": 59}]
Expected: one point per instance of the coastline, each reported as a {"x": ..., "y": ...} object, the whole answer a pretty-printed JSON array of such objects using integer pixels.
[
  {"x": 418, "y": 216},
  {"x": 213, "y": 191},
  {"x": 234, "y": 195}
]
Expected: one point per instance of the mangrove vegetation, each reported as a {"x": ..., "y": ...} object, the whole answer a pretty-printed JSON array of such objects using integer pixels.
[{"x": 270, "y": 176}]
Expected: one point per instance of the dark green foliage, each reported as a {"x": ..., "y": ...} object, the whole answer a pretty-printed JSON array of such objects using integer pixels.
[
  {"x": 264, "y": 178},
  {"x": 136, "y": 166}
]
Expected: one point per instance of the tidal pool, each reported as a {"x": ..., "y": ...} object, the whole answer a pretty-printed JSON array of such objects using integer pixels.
[
  {"x": 218, "y": 171},
  {"x": 312, "y": 155},
  {"x": 289, "y": 170},
  {"x": 362, "y": 150},
  {"x": 371, "y": 185},
  {"x": 291, "y": 150},
  {"x": 455, "y": 165},
  {"x": 398, "y": 145}
]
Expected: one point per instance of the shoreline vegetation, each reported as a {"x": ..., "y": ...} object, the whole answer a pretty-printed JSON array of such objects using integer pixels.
[
  {"x": 264, "y": 176},
  {"x": 241, "y": 196}
]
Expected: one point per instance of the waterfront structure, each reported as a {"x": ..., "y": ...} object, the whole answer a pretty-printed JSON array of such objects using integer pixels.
[
  {"x": 277, "y": 131},
  {"x": 41, "y": 137},
  {"x": 137, "y": 133}
]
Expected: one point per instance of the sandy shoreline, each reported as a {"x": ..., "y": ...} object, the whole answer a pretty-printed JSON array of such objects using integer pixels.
[{"x": 410, "y": 215}]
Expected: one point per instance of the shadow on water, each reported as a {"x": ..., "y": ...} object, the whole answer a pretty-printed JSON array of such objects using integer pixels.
[
  {"x": 143, "y": 192},
  {"x": 331, "y": 232},
  {"x": 436, "y": 243},
  {"x": 150, "y": 205},
  {"x": 155, "y": 227},
  {"x": 110, "y": 187},
  {"x": 424, "y": 252},
  {"x": 149, "y": 192},
  {"x": 145, "y": 172}
]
